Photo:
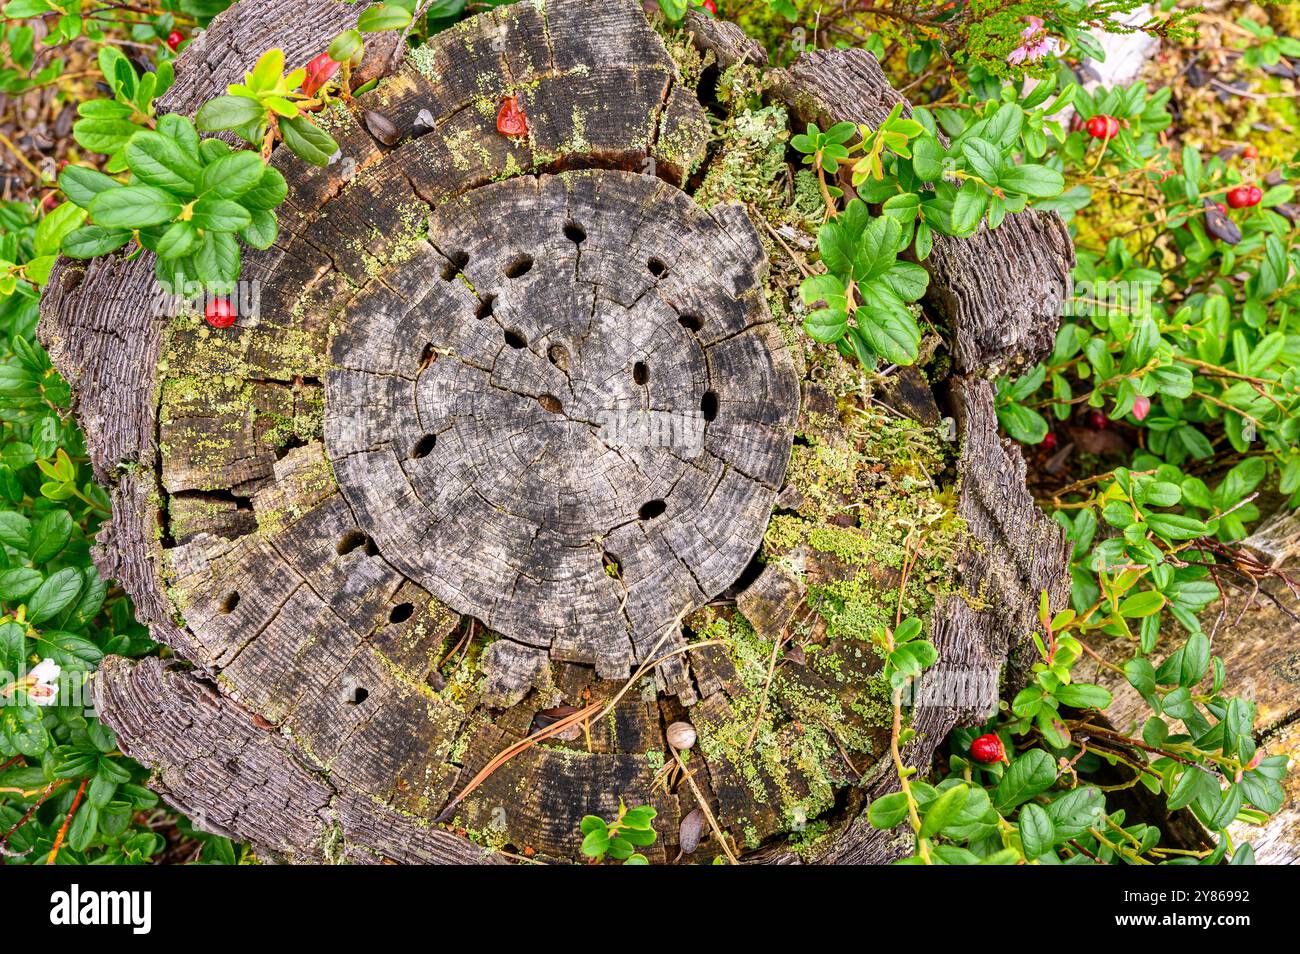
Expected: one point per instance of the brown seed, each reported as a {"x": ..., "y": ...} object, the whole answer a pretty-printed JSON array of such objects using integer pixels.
[
  {"x": 688, "y": 835},
  {"x": 382, "y": 128},
  {"x": 681, "y": 735}
]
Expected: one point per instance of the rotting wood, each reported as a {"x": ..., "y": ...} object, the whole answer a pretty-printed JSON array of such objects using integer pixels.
[{"x": 299, "y": 581}]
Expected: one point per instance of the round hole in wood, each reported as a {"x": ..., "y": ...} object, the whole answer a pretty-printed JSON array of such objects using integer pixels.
[
  {"x": 486, "y": 307},
  {"x": 454, "y": 265},
  {"x": 423, "y": 446},
  {"x": 515, "y": 338},
  {"x": 709, "y": 405},
  {"x": 358, "y": 695},
  {"x": 350, "y": 541},
  {"x": 400, "y": 613},
  {"x": 651, "y": 509},
  {"x": 641, "y": 373},
  {"x": 519, "y": 267},
  {"x": 657, "y": 268},
  {"x": 691, "y": 322},
  {"x": 229, "y": 603},
  {"x": 575, "y": 233}
]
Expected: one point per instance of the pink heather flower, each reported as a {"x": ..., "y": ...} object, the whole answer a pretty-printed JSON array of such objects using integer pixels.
[
  {"x": 1035, "y": 43},
  {"x": 1141, "y": 406}
]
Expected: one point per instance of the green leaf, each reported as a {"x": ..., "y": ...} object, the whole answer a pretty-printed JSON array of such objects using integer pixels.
[
  {"x": 50, "y": 535},
  {"x": 219, "y": 215},
  {"x": 1033, "y": 180},
  {"x": 261, "y": 230},
  {"x": 233, "y": 175},
  {"x": 181, "y": 238},
  {"x": 887, "y": 326},
  {"x": 1142, "y": 604},
  {"x": 927, "y": 159},
  {"x": 269, "y": 191},
  {"x": 388, "y": 16},
  {"x": 1031, "y": 773},
  {"x": 133, "y": 207},
  {"x": 968, "y": 207},
  {"x": 16, "y": 585},
  {"x": 228, "y": 112},
  {"x": 81, "y": 185},
  {"x": 54, "y": 595},
  {"x": 887, "y": 810},
  {"x": 91, "y": 241},
  {"x": 1037, "y": 833},
  {"x": 308, "y": 141},
  {"x": 345, "y": 47},
  {"x": 943, "y": 809},
  {"x": 217, "y": 258},
  {"x": 159, "y": 161},
  {"x": 1076, "y": 811},
  {"x": 1082, "y": 695}
]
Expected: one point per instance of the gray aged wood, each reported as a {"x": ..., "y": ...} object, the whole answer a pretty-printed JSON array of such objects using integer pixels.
[
  {"x": 394, "y": 520},
  {"x": 568, "y": 416}
]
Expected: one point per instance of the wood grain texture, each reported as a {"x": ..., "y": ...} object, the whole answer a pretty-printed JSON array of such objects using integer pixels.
[{"x": 419, "y": 504}]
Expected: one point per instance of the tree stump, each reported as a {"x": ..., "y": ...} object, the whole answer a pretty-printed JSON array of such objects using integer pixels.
[{"x": 509, "y": 427}]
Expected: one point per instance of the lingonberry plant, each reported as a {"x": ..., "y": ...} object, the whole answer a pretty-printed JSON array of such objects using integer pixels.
[{"x": 619, "y": 839}]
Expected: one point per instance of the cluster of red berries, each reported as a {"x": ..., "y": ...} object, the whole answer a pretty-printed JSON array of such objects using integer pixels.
[
  {"x": 1244, "y": 196},
  {"x": 1102, "y": 126}
]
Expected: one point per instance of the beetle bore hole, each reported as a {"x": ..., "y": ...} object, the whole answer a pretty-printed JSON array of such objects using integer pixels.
[
  {"x": 400, "y": 613},
  {"x": 551, "y": 403},
  {"x": 359, "y": 695},
  {"x": 486, "y": 306},
  {"x": 519, "y": 266},
  {"x": 423, "y": 446},
  {"x": 350, "y": 541},
  {"x": 690, "y": 322},
  {"x": 575, "y": 233},
  {"x": 229, "y": 603},
  {"x": 427, "y": 356},
  {"x": 657, "y": 268},
  {"x": 709, "y": 405},
  {"x": 515, "y": 338},
  {"x": 613, "y": 566},
  {"x": 558, "y": 355},
  {"x": 641, "y": 373},
  {"x": 456, "y": 263},
  {"x": 651, "y": 509}
]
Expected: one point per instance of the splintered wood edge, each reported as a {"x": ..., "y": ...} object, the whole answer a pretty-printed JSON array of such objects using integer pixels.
[{"x": 112, "y": 368}]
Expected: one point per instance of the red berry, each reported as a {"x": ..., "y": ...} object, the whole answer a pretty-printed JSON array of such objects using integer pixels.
[
  {"x": 175, "y": 39},
  {"x": 319, "y": 72},
  {"x": 1103, "y": 126},
  {"x": 988, "y": 749},
  {"x": 1076, "y": 123},
  {"x": 1243, "y": 197},
  {"x": 511, "y": 120},
  {"x": 1251, "y": 151},
  {"x": 710, "y": 6},
  {"x": 1221, "y": 207},
  {"x": 1048, "y": 443},
  {"x": 1097, "y": 420},
  {"x": 220, "y": 313}
]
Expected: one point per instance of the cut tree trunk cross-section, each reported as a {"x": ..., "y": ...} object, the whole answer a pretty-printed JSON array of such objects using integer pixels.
[{"x": 509, "y": 423}]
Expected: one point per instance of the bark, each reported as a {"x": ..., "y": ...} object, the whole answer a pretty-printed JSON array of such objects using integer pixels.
[{"x": 417, "y": 450}]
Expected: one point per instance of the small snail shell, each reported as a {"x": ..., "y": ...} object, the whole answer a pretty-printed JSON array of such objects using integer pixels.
[{"x": 681, "y": 735}]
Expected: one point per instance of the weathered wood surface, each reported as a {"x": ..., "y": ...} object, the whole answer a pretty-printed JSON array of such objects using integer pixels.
[{"x": 289, "y": 568}]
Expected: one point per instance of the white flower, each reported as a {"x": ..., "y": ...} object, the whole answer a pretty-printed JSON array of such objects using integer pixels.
[{"x": 42, "y": 683}]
